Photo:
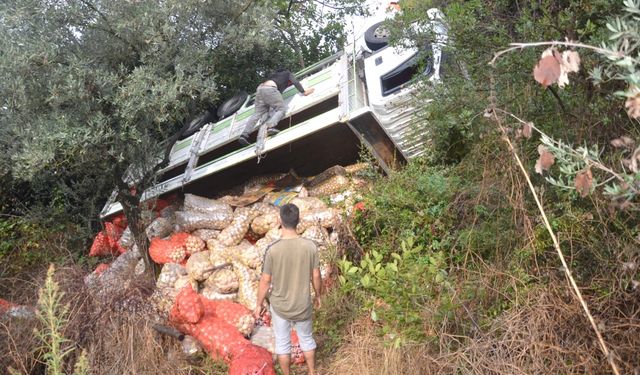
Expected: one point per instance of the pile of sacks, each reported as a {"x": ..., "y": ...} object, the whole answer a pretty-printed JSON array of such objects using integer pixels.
[{"x": 212, "y": 250}]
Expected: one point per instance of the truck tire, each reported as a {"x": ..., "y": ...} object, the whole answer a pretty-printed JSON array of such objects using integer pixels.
[
  {"x": 231, "y": 105},
  {"x": 198, "y": 122},
  {"x": 377, "y": 36}
]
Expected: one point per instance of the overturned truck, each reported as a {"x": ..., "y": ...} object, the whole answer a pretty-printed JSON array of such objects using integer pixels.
[{"x": 362, "y": 98}]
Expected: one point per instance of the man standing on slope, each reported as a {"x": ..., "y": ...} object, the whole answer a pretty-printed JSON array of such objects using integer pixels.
[
  {"x": 290, "y": 265},
  {"x": 269, "y": 96}
]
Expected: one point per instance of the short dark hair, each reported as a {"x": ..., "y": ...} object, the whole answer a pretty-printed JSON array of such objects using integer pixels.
[{"x": 289, "y": 215}]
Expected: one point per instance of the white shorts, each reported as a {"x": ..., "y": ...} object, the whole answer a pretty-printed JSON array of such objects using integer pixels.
[{"x": 282, "y": 331}]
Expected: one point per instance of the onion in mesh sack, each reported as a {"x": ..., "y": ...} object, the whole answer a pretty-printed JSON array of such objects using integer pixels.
[
  {"x": 169, "y": 275},
  {"x": 214, "y": 295},
  {"x": 160, "y": 227},
  {"x": 189, "y": 221},
  {"x": 263, "y": 207},
  {"x": 326, "y": 218},
  {"x": 316, "y": 233},
  {"x": 219, "y": 259},
  {"x": 170, "y": 250},
  {"x": 262, "y": 245},
  {"x": 233, "y": 313},
  {"x": 222, "y": 281},
  {"x": 308, "y": 204},
  {"x": 163, "y": 299},
  {"x": 214, "y": 244},
  {"x": 169, "y": 212},
  {"x": 273, "y": 234},
  {"x": 247, "y": 254},
  {"x": 206, "y": 234},
  {"x": 199, "y": 265},
  {"x": 263, "y": 223},
  {"x": 236, "y": 231},
  {"x": 248, "y": 285},
  {"x": 200, "y": 204},
  {"x": 219, "y": 338},
  {"x": 357, "y": 168},
  {"x": 185, "y": 280},
  {"x": 194, "y": 244},
  {"x": 333, "y": 185},
  {"x": 322, "y": 239},
  {"x": 327, "y": 174},
  {"x": 219, "y": 253}
]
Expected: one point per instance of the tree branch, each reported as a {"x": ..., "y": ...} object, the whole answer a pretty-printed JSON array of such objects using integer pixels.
[
  {"x": 519, "y": 46},
  {"x": 109, "y": 30},
  {"x": 244, "y": 8}
]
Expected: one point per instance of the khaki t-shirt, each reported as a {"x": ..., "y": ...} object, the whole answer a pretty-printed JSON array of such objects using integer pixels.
[{"x": 290, "y": 262}]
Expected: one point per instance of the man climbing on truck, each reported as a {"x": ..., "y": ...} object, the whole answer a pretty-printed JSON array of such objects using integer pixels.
[{"x": 269, "y": 97}]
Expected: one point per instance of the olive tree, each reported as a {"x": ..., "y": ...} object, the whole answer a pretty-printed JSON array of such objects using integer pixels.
[
  {"x": 94, "y": 93},
  {"x": 90, "y": 87}
]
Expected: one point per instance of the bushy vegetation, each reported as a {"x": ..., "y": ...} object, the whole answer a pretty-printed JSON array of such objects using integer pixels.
[{"x": 457, "y": 257}]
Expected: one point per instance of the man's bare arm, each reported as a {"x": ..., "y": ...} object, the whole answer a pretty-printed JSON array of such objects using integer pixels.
[
  {"x": 316, "y": 280},
  {"x": 263, "y": 288}
]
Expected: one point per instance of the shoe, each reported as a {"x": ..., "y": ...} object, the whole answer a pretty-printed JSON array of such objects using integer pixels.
[
  {"x": 243, "y": 141},
  {"x": 273, "y": 131}
]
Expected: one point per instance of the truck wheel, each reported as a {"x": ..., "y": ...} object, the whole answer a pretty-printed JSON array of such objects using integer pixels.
[
  {"x": 200, "y": 121},
  {"x": 231, "y": 105},
  {"x": 377, "y": 36}
]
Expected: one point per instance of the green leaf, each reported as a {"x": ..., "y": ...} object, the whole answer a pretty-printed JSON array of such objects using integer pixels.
[
  {"x": 374, "y": 315},
  {"x": 366, "y": 281},
  {"x": 392, "y": 266}
]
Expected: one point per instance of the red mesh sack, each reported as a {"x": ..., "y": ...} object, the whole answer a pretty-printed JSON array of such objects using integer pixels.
[
  {"x": 230, "y": 312},
  {"x": 120, "y": 221},
  {"x": 113, "y": 233},
  {"x": 187, "y": 308},
  {"x": 180, "y": 238},
  {"x": 101, "y": 268},
  {"x": 100, "y": 245},
  {"x": 297, "y": 356},
  {"x": 218, "y": 338},
  {"x": 5, "y": 305},
  {"x": 166, "y": 251},
  {"x": 160, "y": 204},
  {"x": 251, "y": 360}
]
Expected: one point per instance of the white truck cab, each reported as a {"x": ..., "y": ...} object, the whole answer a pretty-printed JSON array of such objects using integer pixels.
[{"x": 362, "y": 98}]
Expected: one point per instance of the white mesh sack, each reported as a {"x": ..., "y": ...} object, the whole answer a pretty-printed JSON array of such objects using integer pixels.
[{"x": 188, "y": 221}]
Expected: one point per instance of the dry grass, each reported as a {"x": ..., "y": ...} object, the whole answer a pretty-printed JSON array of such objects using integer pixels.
[
  {"x": 546, "y": 334},
  {"x": 116, "y": 334},
  {"x": 363, "y": 352}
]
